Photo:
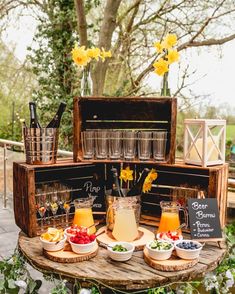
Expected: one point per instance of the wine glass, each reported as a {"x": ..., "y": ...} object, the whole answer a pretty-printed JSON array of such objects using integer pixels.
[
  {"x": 67, "y": 204},
  {"x": 40, "y": 205},
  {"x": 54, "y": 205}
]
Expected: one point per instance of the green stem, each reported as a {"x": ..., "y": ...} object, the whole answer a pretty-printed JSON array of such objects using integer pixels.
[{"x": 165, "y": 91}]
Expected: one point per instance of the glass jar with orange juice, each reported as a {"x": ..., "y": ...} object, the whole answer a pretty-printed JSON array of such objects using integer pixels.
[
  {"x": 83, "y": 213},
  {"x": 170, "y": 219}
]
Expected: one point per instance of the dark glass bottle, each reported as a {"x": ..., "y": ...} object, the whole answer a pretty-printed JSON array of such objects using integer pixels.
[
  {"x": 55, "y": 122},
  {"x": 137, "y": 188},
  {"x": 116, "y": 190},
  {"x": 34, "y": 123}
]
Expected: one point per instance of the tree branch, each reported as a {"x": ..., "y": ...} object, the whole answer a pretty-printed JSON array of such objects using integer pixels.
[
  {"x": 208, "y": 42},
  {"x": 82, "y": 24}
]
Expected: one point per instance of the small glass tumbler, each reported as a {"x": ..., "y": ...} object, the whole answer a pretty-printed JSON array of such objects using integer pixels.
[
  {"x": 88, "y": 144},
  {"x": 129, "y": 144},
  {"x": 159, "y": 145},
  {"x": 101, "y": 144},
  {"x": 115, "y": 144},
  {"x": 144, "y": 145}
]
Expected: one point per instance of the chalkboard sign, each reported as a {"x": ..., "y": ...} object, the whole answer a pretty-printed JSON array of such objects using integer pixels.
[{"x": 204, "y": 219}]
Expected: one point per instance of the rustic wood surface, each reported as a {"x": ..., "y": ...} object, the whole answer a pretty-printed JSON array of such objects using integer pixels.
[
  {"x": 145, "y": 236},
  {"x": 68, "y": 256},
  {"x": 174, "y": 263},
  {"x": 133, "y": 274}
]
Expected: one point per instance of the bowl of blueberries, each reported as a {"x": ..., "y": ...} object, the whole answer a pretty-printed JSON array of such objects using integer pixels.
[{"x": 188, "y": 249}]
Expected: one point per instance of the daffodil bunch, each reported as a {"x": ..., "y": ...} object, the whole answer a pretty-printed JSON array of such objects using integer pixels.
[
  {"x": 126, "y": 175},
  {"x": 167, "y": 53},
  {"x": 82, "y": 56},
  {"x": 152, "y": 176}
]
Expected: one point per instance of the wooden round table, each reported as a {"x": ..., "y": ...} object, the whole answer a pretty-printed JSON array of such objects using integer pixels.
[{"x": 134, "y": 274}]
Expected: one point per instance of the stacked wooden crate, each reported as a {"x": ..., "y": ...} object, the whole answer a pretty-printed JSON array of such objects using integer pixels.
[{"x": 175, "y": 180}]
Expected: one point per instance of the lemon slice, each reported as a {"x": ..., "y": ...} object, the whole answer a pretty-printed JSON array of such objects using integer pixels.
[
  {"x": 56, "y": 237},
  {"x": 46, "y": 237}
]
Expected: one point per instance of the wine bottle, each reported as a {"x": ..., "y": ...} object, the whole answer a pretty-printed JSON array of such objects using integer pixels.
[
  {"x": 55, "y": 122},
  {"x": 137, "y": 188},
  {"x": 34, "y": 123},
  {"x": 116, "y": 190}
]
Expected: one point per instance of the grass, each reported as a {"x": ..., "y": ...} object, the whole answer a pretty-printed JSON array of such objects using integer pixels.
[{"x": 230, "y": 132}]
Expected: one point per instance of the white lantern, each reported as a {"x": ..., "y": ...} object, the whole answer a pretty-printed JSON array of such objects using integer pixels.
[{"x": 204, "y": 141}]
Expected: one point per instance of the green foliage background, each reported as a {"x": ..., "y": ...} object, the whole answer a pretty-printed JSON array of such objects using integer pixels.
[{"x": 52, "y": 65}]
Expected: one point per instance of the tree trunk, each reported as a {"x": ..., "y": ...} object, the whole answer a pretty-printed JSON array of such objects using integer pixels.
[
  {"x": 105, "y": 38},
  {"x": 82, "y": 24}
]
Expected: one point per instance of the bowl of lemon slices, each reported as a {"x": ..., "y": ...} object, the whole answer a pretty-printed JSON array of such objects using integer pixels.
[{"x": 53, "y": 239}]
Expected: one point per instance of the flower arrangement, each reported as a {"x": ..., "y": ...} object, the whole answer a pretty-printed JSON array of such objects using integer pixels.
[
  {"x": 126, "y": 175},
  {"x": 167, "y": 55},
  {"x": 82, "y": 58}
]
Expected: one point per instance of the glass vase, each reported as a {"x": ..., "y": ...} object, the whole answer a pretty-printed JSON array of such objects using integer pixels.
[
  {"x": 165, "y": 91},
  {"x": 86, "y": 82}
]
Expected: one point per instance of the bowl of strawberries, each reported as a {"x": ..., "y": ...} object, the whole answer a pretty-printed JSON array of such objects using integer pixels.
[
  {"x": 169, "y": 236},
  {"x": 82, "y": 242},
  {"x": 71, "y": 231}
]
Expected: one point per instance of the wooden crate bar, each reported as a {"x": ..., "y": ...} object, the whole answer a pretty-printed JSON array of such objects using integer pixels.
[
  {"x": 126, "y": 114},
  {"x": 174, "y": 182},
  {"x": 79, "y": 179}
]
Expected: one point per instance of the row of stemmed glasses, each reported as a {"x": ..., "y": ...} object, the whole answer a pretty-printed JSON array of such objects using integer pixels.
[{"x": 51, "y": 197}]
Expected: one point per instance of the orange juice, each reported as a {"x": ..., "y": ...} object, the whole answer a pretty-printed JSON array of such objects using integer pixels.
[
  {"x": 169, "y": 222},
  {"x": 84, "y": 217}
]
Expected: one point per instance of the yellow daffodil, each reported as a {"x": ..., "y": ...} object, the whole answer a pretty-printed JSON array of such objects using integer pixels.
[
  {"x": 147, "y": 186},
  {"x": 93, "y": 53},
  {"x": 79, "y": 55},
  {"x": 126, "y": 174},
  {"x": 172, "y": 56},
  {"x": 152, "y": 176},
  {"x": 161, "y": 66},
  {"x": 104, "y": 54},
  {"x": 169, "y": 41},
  {"x": 158, "y": 46}
]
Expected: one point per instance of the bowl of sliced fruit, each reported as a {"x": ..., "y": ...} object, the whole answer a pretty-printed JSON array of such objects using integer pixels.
[
  {"x": 188, "y": 249},
  {"x": 53, "y": 239},
  {"x": 120, "y": 251},
  {"x": 82, "y": 242},
  {"x": 160, "y": 249},
  {"x": 170, "y": 236}
]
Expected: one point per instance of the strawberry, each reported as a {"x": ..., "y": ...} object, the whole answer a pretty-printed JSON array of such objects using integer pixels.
[{"x": 92, "y": 237}]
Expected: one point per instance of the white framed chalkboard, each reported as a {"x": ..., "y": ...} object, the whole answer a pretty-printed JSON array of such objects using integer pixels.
[{"x": 204, "y": 219}]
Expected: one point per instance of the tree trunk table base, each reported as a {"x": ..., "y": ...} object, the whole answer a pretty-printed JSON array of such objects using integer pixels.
[
  {"x": 174, "y": 263},
  {"x": 133, "y": 274},
  {"x": 68, "y": 256}
]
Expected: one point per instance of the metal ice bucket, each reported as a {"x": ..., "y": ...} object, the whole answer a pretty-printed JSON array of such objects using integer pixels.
[
  {"x": 41, "y": 145},
  {"x": 110, "y": 212}
]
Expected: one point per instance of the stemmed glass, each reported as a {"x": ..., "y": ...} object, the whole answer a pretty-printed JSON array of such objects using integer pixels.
[
  {"x": 54, "y": 205},
  {"x": 67, "y": 204},
  {"x": 40, "y": 205}
]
